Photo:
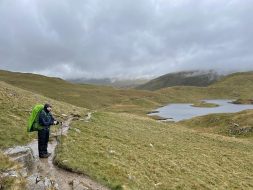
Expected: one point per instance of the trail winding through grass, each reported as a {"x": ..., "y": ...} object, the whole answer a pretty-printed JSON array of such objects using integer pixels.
[{"x": 64, "y": 179}]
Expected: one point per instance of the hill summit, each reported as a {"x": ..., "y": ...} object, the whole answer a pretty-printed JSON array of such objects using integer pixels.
[{"x": 186, "y": 78}]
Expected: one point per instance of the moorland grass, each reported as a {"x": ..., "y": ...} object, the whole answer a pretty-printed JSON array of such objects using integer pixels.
[
  {"x": 126, "y": 151},
  {"x": 228, "y": 124},
  {"x": 15, "y": 107},
  {"x": 130, "y": 151},
  {"x": 132, "y": 101}
]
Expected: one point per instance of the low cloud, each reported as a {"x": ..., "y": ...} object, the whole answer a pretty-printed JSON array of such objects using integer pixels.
[{"x": 141, "y": 38}]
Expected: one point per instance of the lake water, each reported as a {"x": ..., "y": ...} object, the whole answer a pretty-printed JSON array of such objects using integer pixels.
[{"x": 178, "y": 112}]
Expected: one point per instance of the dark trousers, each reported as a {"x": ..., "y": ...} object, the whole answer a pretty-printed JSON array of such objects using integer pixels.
[{"x": 43, "y": 137}]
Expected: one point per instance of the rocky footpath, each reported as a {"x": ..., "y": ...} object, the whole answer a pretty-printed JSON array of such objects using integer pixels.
[
  {"x": 42, "y": 174},
  {"x": 27, "y": 161}
]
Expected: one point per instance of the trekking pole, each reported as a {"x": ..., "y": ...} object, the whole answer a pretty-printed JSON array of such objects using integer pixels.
[{"x": 61, "y": 126}]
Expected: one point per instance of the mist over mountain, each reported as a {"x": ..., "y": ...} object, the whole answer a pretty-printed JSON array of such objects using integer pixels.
[
  {"x": 187, "y": 78},
  {"x": 125, "y": 39},
  {"x": 114, "y": 82}
]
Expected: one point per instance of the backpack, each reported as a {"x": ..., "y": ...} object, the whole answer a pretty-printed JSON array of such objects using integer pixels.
[{"x": 33, "y": 122}]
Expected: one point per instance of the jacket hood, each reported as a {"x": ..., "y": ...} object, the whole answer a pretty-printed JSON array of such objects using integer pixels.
[{"x": 46, "y": 106}]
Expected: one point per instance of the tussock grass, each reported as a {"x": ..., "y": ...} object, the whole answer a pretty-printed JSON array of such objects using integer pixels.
[
  {"x": 5, "y": 163},
  {"x": 7, "y": 182},
  {"x": 228, "y": 124},
  {"x": 131, "y": 152}
]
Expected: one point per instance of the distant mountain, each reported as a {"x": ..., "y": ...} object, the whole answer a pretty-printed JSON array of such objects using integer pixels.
[
  {"x": 188, "y": 78},
  {"x": 104, "y": 81},
  {"x": 118, "y": 83}
]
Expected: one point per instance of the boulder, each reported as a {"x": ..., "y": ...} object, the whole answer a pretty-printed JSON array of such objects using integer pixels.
[{"x": 23, "y": 155}]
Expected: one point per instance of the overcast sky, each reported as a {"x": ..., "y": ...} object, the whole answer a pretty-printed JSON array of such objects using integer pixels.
[{"x": 125, "y": 38}]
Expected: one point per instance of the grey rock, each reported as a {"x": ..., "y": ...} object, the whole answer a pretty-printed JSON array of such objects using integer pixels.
[
  {"x": 17, "y": 150},
  {"x": 77, "y": 130},
  {"x": 78, "y": 185},
  {"x": 11, "y": 173},
  {"x": 36, "y": 182},
  {"x": 236, "y": 125},
  {"x": 23, "y": 155},
  {"x": 47, "y": 182},
  {"x": 64, "y": 115},
  {"x": 23, "y": 172}
]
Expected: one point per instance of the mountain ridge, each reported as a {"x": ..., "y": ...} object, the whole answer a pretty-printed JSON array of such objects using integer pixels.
[{"x": 184, "y": 78}]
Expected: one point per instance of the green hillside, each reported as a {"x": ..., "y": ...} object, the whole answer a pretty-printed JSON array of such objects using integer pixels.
[
  {"x": 229, "y": 124},
  {"x": 235, "y": 82},
  {"x": 15, "y": 107},
  {"x": 118, "y": 100},
  {"x": 125, "y": 151},
  {"x": 84, "y": 95},
  {"x": 191, "y": 78},
  {"x": 234, "y": 86},
  {"x": 129, "y": 150}
]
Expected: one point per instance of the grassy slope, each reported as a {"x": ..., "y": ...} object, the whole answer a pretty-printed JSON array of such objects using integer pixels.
[
  {"x": 15, "y": 105},
  {"x": 137, "y": 153},
  {"x": 239, "y": 85},
  {"x": 131, "y": 152},
  {"x": 214, "y": 155},
  {"x": 229, "y": 124},
  {"x": 133, "y": 101},
  {"x": 88, "y": 96}
]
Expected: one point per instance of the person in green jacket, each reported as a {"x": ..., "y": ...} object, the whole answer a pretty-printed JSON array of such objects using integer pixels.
[{"x": 45, "y": 120}]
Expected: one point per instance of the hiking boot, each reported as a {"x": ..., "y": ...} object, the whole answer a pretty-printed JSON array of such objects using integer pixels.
[
  {"x": 45, "y": 155},
  {"x": 49, "y": 154}
]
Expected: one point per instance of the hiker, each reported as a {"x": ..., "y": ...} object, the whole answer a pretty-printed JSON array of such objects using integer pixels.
[{"x": 45, "y": 121}]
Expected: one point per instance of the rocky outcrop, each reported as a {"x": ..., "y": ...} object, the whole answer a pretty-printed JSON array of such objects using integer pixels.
[
  {"x": 24, "y": 159},
  {"x": 23, "y": 155},
  {"x": 236, "y": 129}
]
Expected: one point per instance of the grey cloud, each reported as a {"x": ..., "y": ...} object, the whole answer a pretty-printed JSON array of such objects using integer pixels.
[{"x": 94, "y": 38}]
